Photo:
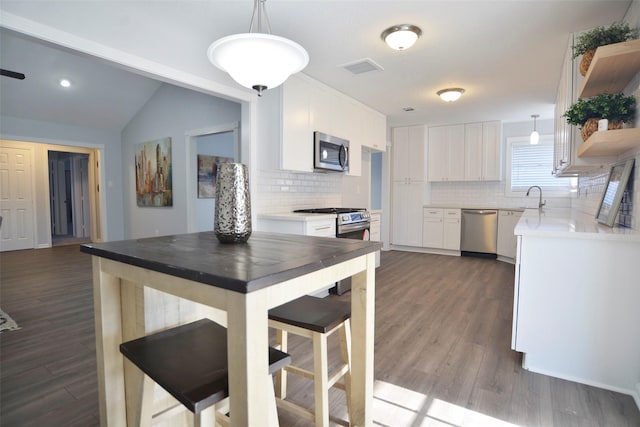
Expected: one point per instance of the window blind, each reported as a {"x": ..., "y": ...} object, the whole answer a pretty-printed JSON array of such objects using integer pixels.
[{"x": 531, "y": 165}]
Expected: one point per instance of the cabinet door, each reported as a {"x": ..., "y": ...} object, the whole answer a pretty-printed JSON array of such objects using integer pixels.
[
  {"x": 456, "y": 153},
  {"x": 432, "y": 228},
  {"x": 507, "y": 241},
  {"x": 473, "y": 152},
  {"x": 438, "y": 154},
  {"x": 297, "y": 137},
  {"x": 374, "y": 130},
  {"x": 432, "y": 233},
  {"x": 400, "y": 154},
  {"x": 320, "y": 107},
  {"x": 407, "y": 214},
  {"x": 415, "y": 161},
  {"x": 452, "y": 225},
  {"x": 492, "y": 151}
]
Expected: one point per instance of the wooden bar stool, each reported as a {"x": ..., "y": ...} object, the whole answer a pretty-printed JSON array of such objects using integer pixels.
[
  {"x": 314, "y": 318},
  {"x": 190, "y": 363}
]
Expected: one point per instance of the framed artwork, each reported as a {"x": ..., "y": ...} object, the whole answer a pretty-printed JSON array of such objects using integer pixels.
[
  {"x": 207, "y": 173},
  {"x": 612, "y": 196},
  {"x": 153, "y": 173}
]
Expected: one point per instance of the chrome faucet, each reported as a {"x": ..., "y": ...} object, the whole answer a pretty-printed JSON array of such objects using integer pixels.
[{"x": 540, "y": 202}]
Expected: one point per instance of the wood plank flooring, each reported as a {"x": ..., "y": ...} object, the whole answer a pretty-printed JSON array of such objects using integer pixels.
[{"x": 442, "y": 351}]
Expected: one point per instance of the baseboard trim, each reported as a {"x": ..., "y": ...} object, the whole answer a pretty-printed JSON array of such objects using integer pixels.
[
  {"x": 635, "y": 394},
  {"x": 425, "y": 250},
  {"x": 43, "y": 246}
]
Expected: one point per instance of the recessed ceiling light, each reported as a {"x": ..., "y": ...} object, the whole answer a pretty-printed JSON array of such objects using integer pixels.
[{"x": 65, "y": 83}]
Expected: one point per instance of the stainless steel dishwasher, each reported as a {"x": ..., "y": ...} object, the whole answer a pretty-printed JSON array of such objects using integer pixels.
[{"x": 479, "y": 232}]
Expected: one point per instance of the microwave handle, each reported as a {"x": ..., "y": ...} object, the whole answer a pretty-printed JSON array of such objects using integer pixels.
[{"x": 343, "y": 159}]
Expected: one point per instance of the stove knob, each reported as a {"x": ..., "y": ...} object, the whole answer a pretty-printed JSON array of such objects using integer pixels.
[{"x": 346, "y": 217}]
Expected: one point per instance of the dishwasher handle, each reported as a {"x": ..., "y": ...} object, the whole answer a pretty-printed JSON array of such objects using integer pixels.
[{"x": 480, "y": 212}]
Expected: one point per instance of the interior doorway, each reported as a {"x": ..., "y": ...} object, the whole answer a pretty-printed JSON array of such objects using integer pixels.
[{"x": 69, "y": 197}]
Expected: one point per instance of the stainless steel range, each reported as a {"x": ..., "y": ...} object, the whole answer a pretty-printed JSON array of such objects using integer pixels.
[{"x": 351, "y": 223}]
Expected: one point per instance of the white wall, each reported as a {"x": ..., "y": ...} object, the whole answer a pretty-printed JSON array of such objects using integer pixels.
[
  {"x": 171, "y": 112},
  {"x": 42, "y": 133}
]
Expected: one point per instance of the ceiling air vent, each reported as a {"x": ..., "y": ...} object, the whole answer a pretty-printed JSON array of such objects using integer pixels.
[{"x": 362, "y": 66}]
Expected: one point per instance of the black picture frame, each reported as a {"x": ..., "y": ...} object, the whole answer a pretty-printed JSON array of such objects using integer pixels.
[{"x": 614, "y": 190}]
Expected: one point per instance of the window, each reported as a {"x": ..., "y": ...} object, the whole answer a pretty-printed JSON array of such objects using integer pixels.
[{"x": 529, "y": 165}]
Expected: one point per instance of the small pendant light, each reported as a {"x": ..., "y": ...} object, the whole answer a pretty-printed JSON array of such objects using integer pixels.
[{"x": 535, "y": 136}]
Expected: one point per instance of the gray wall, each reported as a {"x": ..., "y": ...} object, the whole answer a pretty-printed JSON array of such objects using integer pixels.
[{"x": 170, "y": 112}]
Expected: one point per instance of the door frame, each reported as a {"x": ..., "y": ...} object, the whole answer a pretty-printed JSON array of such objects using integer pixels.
[
  {"x": 95, "y": 196},
  {"x": 191, "y": 156}
]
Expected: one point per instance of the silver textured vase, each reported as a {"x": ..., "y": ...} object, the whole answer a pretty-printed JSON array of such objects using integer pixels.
[{"x": 232, "y": 219}]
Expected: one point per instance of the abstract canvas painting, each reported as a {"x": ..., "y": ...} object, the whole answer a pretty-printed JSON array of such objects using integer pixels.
[
  {"x": 207, "y": 172},
  {"x": 153, "y": 173}
]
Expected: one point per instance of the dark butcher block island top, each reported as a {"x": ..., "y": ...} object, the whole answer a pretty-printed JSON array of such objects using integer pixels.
[{"x": 266, "y": 259}]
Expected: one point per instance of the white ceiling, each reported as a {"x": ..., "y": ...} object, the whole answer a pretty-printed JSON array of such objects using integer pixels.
[{"x": 507, "y": 54}]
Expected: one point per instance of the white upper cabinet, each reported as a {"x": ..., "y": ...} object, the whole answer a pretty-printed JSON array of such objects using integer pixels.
[
  {"x": 288, "y": 116},
  {"x": 468, "y": 152},
  {"x": 374, "y": 130},
  {"x": 297, "y": 141},
  {"x": 408, "y": 154},
  {"x": 446, "y": 153}
]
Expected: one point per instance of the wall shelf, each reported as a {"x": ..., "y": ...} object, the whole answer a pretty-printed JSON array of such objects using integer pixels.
[
  {"x": 610, "y": 143},
  {"x": 612, "y": 68}
]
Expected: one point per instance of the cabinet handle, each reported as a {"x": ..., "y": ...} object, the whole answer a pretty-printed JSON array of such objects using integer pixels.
[
  {"x": 326, "y": 227},
  {"x": 563, "y": 162}
]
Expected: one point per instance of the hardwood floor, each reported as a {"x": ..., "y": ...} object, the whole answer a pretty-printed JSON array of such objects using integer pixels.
[{"x": 442, "y": 351}]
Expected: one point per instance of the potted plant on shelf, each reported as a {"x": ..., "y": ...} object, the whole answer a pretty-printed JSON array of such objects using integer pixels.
[
  {"x": 589, "y": 41},
  {"x": 616, "y": 108}
]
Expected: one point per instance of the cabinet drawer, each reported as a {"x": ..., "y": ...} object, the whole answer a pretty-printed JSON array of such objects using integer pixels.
[
  {"x": 321, "y": 229},
  {"x": 433, "y": 213},
  {"x": 452, "y": 213}
]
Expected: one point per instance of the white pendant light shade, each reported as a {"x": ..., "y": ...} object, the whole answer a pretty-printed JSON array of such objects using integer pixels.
[
  {"x": 534, "y": 138},
  {"x": 256, "y": 60},
  {"x": 450, "y": 94}
]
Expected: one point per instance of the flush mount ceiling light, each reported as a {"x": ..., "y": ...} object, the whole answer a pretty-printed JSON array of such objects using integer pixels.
[
  {"x": 258, "y": 60},
  {"x": 450, "y": 94},
  {"x": 65, "y": 83},
  {"x": 535, "y": 136},
  {"x": 401, "y": 37}
]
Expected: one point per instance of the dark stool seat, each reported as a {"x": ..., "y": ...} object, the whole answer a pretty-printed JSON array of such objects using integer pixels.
[
  {"x": 190, "y": 362},
  {"x": 314, "y": 318}
]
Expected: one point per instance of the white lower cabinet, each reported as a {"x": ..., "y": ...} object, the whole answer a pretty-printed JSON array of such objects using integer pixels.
[
  {"x": 507, "y": 220},
  {"x": 433, "y": 228},
  {"x": 452, "y": 225},
  {"x": 441, "y": 228}
]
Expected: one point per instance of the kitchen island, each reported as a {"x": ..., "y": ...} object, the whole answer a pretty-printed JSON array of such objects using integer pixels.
[
  {"x": 244, "y": 281},
  {"x": 576, "y": 296}
]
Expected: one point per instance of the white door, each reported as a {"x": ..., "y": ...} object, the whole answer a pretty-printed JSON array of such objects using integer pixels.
[{"x": 16, "y": 199}]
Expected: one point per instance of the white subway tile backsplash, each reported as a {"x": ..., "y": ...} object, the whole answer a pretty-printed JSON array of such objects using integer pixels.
[{"x": 280, "y": 191}]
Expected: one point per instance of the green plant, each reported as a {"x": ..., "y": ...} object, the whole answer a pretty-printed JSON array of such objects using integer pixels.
[
  {"x": 617, "y": 107},
  {"x": 600, "y": 36}
]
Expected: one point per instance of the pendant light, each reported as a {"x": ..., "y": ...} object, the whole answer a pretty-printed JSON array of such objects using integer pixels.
[
  {"x": 535, "y": 136},
  {"x": 259, "y": 60},
  {"x": 401, "y": 37}
]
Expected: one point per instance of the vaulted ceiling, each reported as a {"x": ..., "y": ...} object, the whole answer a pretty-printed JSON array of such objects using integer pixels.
[{"x": 507, "y": 54}]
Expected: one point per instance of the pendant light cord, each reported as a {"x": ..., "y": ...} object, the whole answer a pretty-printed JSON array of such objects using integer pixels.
[{"x": 259, "y": 7}]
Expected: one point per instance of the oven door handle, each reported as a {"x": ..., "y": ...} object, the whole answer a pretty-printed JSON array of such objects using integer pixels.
[{"x": 349, "y": 228}]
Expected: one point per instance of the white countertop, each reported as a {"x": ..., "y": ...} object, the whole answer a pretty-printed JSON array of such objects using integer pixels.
[
  {"x": 292, "y": 216},
  {"x": 483, "y": 207},
  {"x": 570, "y": 223}
]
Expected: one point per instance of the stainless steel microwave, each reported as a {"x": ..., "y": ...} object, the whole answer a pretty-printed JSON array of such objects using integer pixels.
[{"x": 330, "y": 152}]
